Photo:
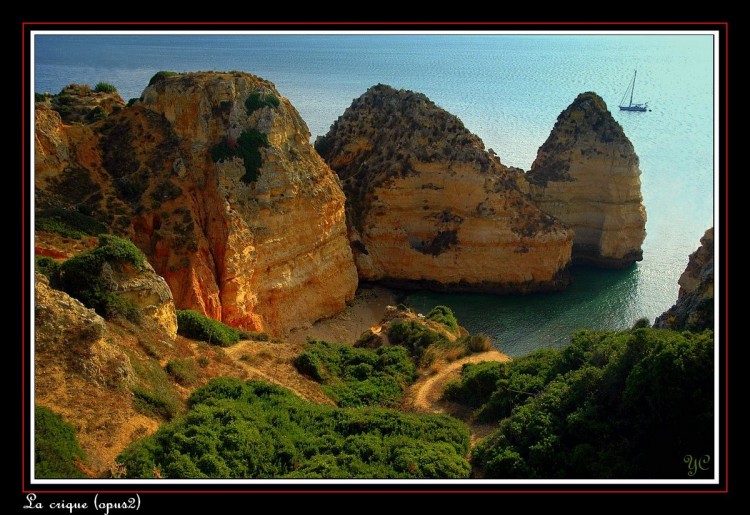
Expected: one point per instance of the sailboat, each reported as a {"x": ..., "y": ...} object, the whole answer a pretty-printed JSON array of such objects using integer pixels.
[{"x": 641, "y": 108}]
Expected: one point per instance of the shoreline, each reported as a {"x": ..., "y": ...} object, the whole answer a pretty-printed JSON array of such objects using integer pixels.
[{"x": 365, "y": 310}]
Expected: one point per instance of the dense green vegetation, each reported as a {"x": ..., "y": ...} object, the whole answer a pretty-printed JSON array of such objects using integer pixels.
[
  {"x": 247, "y": 147},
  {"x": 71, "y": 224},
  {"x": 255, "y": 101},
  {"x": 444, "y": 315},
  {"x": 56, "y": 447},
  {"x": 105, "y": 87},
  {"x": 414, "y": 336},
  {"x": 48, "y": 267},
  {"x": 160, "y": 76},
  {"x": 84, "y": 276},
  {"x": 611, "y": 405},
  {"x": 192, "y": 324},
  {"x": 256, "y": 430},
  {"x": 356, "y": 376}
]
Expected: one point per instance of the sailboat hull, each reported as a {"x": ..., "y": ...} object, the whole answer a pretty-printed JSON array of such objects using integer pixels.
[{"x": 640, "y": 109}]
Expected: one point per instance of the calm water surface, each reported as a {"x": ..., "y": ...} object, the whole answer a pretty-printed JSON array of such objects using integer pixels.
[{"x": 508, "y": 90}]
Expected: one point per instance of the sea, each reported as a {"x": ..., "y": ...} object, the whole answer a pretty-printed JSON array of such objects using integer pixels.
[{"x": 506, "y": 88}]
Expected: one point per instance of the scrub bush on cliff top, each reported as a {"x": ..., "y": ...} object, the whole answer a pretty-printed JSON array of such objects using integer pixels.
[{"x": 105, "y": 87}]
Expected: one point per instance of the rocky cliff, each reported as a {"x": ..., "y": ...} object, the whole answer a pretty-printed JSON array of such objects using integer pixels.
[
  {"x": 694, "y": 309},
  {"x": 213, "y": 177},
  {"x": 428, "y": 206},
  {"x": 586, "y": 175}
]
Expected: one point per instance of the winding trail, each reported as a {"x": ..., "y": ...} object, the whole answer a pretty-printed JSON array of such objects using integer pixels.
[{"x": 424, "y": 395}]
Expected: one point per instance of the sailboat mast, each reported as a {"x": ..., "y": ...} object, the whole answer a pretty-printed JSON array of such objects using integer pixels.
[{"x": 632, "y": 90}]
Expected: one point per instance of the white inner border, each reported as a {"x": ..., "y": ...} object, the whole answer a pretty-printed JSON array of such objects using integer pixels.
[{"x": 718, "y": 461}]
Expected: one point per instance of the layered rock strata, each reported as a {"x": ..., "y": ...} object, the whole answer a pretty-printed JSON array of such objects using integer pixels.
[
  {"x": 213, "y": 177},
  {"x": 586, "y": 175},
  {"x": 428, "y": 206}
]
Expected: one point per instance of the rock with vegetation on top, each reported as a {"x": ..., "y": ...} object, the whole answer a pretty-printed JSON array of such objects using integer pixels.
[
  {"x": 212, "y": 175},
  {"x": 694, "y": 309},
  {"x": 586, "y": 175},
  {"x": 428, "y": 206},
  {"x": 79, "y": 103}
]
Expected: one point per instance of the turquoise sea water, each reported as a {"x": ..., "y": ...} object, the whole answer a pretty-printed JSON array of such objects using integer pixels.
[{"x": 508, "y": 89}]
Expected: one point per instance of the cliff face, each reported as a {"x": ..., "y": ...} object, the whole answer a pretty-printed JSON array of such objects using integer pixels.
[
  {"x": 428, "y": 206},
  {"x": 586, "y": 175},
  {"x": 212, "y": 176},
  {"x": 694, "y": 309}
]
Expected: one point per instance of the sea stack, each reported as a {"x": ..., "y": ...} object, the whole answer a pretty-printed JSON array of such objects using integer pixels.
[
  {"x": 212, "y": 175},
  {"x": 428, "y": 206},
  {"x": 586, "y": 175}
]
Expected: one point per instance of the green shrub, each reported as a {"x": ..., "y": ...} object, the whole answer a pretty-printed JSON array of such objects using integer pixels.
[
  {"x": 183, "y": 371},
  {"x": 160, "y": 76},
  {"x": 247, "y": 147},
  {"x": 255, "y": 101},
  {"x": 642, "y": 322},
  {"x": 95, "y": 114},
  {"x": 252, "y": 429},
  {"x": 358, "y": 377},
  {"x": 444, "y": 315},
  {"x": 192, "y": 324},
  {"x": 105, "y": 87},
  {"x": 414, "y": 336},
  {"x": 478, "y": 382},
  {"x": 132, "y": 101},
  {"x": 48, "y": 267},
  {"x": 71, "y": 224},
  {"x": 478, "y": 342},
  {"x": 82, "y": 277},
  {"x": 613, "y": 404},
  {"x": 153, "y": 404},
  {"x": 56, "y": 447}
]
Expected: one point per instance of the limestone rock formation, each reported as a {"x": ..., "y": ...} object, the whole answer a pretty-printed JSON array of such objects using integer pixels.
[
  {"x": 694, "y": 309},
  {"x": 149, "y": 293},
  {"x": 428, "y": 206},
  {"x": 586, "y": 175},
  {"x": 213, "y": 177},
  {"x": 65, "y": 327},
  {"x": 78, "y": 103}
]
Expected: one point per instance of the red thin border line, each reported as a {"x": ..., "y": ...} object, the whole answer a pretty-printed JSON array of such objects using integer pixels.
[{"x": 530, "y": 491}]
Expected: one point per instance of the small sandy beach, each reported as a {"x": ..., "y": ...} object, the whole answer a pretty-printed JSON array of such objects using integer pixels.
[{"x": 365, "y": 310}]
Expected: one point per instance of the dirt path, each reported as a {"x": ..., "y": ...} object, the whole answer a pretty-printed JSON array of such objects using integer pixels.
[
  {"x": 424, "y": 394},
  {"x": 273, "y": 363}
]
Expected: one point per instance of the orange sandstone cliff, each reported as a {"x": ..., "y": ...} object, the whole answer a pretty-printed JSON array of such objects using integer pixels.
[
  {"x": 428, "y": 206},
  {"x": 213, "y": 177},
  {"x": 586, "y": 175}
]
